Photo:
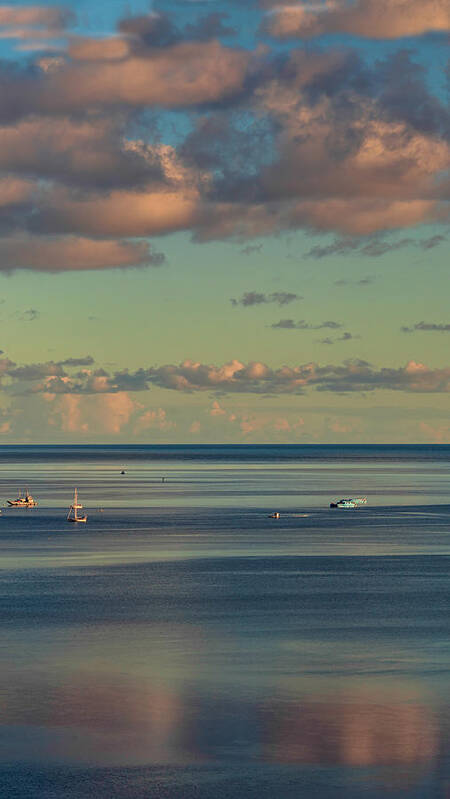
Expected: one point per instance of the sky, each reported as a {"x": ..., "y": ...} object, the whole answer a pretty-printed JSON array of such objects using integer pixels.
[{"x": 224, "y": 222}]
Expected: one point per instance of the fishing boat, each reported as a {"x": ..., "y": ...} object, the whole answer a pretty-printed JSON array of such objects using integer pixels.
[
  {"x": 23, "y": 502},
  {"x": 72, "y": 516}
]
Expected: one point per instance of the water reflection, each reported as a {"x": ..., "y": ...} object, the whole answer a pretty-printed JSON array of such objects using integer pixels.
[
  {"x": 356, "y": 734},
  {"x": 99, "y": 718}
]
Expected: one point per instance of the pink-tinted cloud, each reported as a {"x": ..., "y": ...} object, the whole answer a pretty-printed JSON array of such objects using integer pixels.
[
  {"x": 108, "y": 413},
  {"x": 352, "y": 172},
  {"x": 185, "y": 74},
  {"x": 166, "y": 205},
  {"x": 375, "y": 19},
  {"x": 111, "y": 48},
  {"x": 78, "y": 151},
  {"x": 217, "y": 410},
  {"x": 153, "y": 419},
  {"x": 15, "y": 191},
  {"x": 49, "y": 16},
  {"x": 255, "y": 377},
  {"x": 34, "y": 27},
  {"x": 66, "y": 253},
  {"x": 437, "y": 434}
]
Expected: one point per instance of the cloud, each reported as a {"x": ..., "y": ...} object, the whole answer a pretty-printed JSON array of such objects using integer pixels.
[
  {"x": 260, "y": 142},
  {"x": 438, "y": 435},
  {"x": 250, "y": 298},
  {"x": 66, "y": 253},
  {"x": 235, "y": 376},
  {"x": 48, "y": 16},
  {"x": 363, "y": 282},
  {"x": 152, "y": 419},
  {"x": 178, "y": 76},
  {"x": 83, "y": 48},
  {"x": 85, "y": 361},
  {"x": 375, "y": 19},
  {"x": 345, "y": 337},
  {"x": 217, "y": 410},
  {"x": 432, "y": 241},
  {"x": 257, "y": 377},
  {"x": 35, "y": 371},
  {"x": 250, "y": 249},
  {"x": 432, "y": 327},
  {"x": 159, "y": 208},
  {"x": 30, "y": 316},
  {"x": 106, "y": 414},
  {"x": 86, "y": 152},
  {"x": 33, "y": 26},
  {"x": 15, "y": 191},
  {"x": 289, "y": 324},
  {"x": 373, "y": 248}
]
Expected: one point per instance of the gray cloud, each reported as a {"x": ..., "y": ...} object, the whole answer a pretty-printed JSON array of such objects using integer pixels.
[
  {"x": 427, "y": 327},
  {"x": 36, "y": 371},
  {"x": 345, "y": 337},
  {"x": 30, "y": 315},
  {"x": 364, "y": 281},
  {"x": 250, "y": 249},
  {"x": 289, "y": 324},
  {"x": 250, "y": 298},
  {"x": 374, "y": 247},
  {"x": 86, "y": 361},
  {"x": 433, "y": 241}
]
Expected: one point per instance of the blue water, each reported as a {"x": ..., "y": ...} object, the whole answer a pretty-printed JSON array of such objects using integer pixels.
[{"x": 183, "y": 645}]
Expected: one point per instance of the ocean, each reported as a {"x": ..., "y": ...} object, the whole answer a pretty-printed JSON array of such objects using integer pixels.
[{"x": 184, "y": 645}]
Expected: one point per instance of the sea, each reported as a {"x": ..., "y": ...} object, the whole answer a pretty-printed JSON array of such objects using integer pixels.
[{"x": 183, "y": 644}]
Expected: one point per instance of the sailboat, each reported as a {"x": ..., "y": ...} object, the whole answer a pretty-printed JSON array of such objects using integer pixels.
[
  {"x": 23, "y": 502},
  {"x": 72, "y": 516}
]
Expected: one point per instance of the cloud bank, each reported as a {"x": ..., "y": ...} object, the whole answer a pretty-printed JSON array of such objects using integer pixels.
[{"x": 256, "y": 377}]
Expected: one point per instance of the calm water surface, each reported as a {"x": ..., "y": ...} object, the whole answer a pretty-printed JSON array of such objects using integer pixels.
[{"x": 183, "y": 645}]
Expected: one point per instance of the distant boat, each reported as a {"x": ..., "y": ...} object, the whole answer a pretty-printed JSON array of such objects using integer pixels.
[
  {"x": 23, "y": 502},
  {"x": 274, "y": 515},
  {"x": 72, "y": 516},
  {"x": 353, "y": 502}
]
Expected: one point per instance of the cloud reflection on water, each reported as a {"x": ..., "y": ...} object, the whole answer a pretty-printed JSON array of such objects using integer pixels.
[{"x": 101, "y": 719}]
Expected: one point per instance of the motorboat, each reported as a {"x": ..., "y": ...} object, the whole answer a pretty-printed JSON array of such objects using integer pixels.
[
  {"x": 353, "y": 502},
  {"x": 274, "y": 515}
]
